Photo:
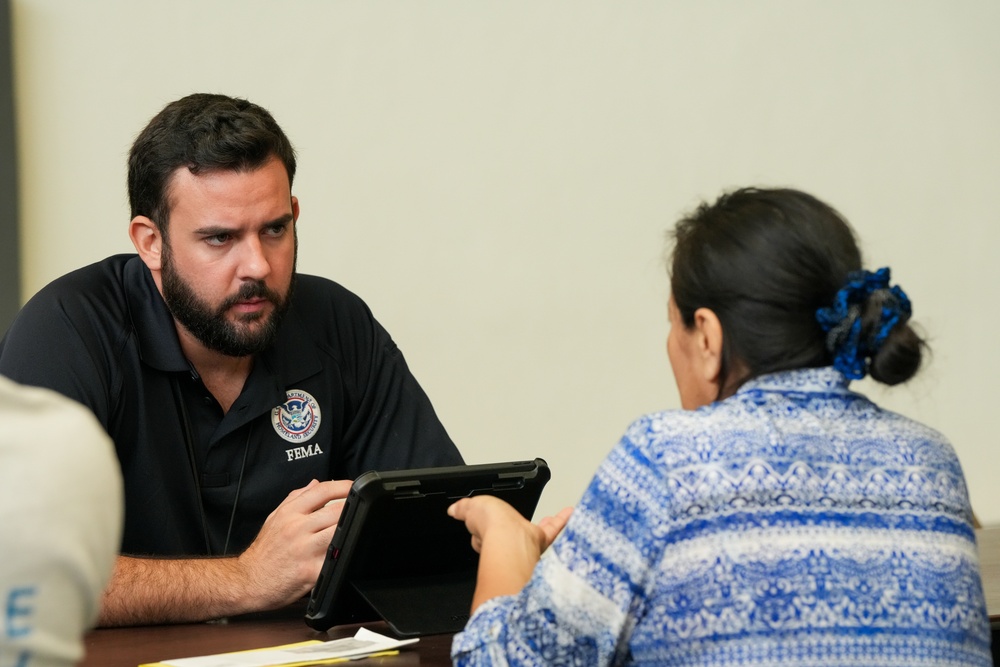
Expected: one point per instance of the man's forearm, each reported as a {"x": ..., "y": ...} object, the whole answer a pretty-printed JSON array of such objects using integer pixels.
[
  {"x": 145, "y": 591},
  {"x": 278, "y": 568}
]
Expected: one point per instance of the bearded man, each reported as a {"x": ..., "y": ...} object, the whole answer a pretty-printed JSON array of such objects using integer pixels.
[{"x": 242, "y": 397}]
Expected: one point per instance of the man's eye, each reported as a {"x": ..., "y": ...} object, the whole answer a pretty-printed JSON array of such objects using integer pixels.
[
  {"x": 275, "y": 230},
  {"x": 217, "y": 239}
]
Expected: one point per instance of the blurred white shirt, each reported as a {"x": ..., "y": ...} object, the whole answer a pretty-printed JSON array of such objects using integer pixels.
[{"x": 60, "y": 524}]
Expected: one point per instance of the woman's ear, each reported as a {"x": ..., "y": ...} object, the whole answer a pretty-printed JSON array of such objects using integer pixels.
[
  {"x": 148, "y": 241},
  {"x": 709, "y": 345}
]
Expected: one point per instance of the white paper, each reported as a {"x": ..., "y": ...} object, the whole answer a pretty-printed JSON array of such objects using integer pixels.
[{"x": 364, "y": 642}]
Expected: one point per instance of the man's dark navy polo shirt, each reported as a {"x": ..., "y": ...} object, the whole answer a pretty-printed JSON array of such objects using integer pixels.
[{"x": 330, "y": 399}]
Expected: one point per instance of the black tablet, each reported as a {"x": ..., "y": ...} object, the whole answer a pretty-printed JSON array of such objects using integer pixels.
[{"x": 396, "y": 554}]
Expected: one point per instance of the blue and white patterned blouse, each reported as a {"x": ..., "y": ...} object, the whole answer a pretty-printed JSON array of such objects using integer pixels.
[{"x": 795, "y": 523}]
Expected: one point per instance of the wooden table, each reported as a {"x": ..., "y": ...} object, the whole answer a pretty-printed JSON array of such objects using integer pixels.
[{"x": 130, "y": 647}]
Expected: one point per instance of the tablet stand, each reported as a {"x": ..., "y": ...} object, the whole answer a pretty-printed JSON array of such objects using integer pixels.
[{"x": 430, "y": 605}]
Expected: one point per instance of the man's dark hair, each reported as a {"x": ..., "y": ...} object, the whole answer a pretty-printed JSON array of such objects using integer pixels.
[
  {"x": 764, "y": 261},
  {"x": 202, "y": 132}
]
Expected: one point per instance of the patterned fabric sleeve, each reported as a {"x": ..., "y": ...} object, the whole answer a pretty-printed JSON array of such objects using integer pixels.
[{"x": 580, "y": 605}]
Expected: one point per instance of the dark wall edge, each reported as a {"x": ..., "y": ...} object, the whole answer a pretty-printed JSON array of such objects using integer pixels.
[{"x": 10, "y": 246}]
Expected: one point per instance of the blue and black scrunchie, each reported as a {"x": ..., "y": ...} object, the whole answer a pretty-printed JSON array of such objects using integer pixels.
[{"x": 842, "y": 321}]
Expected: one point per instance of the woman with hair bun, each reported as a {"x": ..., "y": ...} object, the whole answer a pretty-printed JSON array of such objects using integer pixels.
[{"x": 779, "y": 518}]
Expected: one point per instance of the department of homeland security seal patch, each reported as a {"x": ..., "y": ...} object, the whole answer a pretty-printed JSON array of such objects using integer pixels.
[{"x": 297, "y": 419}]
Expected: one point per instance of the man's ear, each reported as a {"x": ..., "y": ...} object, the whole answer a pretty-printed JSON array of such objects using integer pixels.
[
  {"x": 148, "y": 241},
  {"x": 709, "y": 343}
]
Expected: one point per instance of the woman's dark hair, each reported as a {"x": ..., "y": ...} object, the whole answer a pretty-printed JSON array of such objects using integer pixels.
[
  {"x": 764, "y": 261},
  {"x": 202, "y": 132}
]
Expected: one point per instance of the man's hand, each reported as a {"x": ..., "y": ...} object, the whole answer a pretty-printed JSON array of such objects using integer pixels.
[
  {"x": 279, "y": 567},
  {"x": 509, "y": 545},
  {"x": 283, "y": 562}
]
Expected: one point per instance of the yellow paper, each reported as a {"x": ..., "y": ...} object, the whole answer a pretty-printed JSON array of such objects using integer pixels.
[
  {"x": 388, "y": 651},
  {"x": 328, "y": 661},
  {"x": 251, "y": 650}
]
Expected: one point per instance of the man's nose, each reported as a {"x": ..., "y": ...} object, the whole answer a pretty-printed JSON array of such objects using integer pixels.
[{"x": 254, "y": 263}]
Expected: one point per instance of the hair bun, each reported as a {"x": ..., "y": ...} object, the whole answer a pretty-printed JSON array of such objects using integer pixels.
[{"x": 899, "y": 358}]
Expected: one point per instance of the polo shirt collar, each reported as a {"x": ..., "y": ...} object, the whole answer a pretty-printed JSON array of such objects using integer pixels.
[
  {"x": 292, "y": 357},
  {"x": 152, "y": 322}
]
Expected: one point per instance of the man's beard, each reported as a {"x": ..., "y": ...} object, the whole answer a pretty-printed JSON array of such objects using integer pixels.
[{"x": 210, "y": 325}]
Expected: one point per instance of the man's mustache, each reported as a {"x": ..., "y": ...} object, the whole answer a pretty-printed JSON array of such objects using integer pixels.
[{"x": 251, "y": 290}]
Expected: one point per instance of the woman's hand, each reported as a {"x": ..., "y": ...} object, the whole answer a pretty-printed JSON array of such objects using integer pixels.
[{"x": 509, "y": 545}]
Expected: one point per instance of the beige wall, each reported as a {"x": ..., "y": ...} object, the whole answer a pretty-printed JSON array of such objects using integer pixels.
[{"x": 495, "y": 178}]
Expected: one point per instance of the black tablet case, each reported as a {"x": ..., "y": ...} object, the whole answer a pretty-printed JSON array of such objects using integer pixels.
[{"x": 396, "y": 554}]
